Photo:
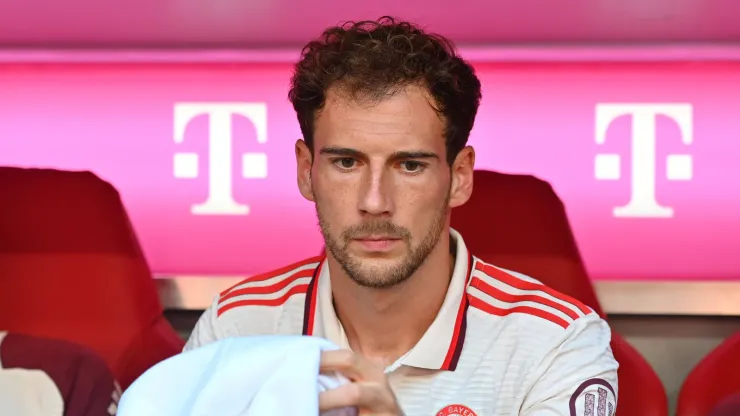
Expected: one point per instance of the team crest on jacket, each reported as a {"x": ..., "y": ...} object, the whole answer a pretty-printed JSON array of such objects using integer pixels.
[{"x": 456, "y": 410}]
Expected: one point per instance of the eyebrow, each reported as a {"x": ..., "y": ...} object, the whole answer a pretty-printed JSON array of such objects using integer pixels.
[
  {"x": 339, "y": 151},
  {"x": 346, "y": 151}
]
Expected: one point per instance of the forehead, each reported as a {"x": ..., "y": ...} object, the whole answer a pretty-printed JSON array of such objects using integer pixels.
[{"x": 403, "y": 120}]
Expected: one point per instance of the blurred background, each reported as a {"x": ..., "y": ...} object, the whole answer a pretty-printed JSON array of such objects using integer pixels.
[{"x": 629, "y": 109}]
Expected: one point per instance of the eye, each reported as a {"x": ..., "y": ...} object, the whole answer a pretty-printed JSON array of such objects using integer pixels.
[
  {"x": 412, "y": 166},
  {"x": 345, "y": 163}
]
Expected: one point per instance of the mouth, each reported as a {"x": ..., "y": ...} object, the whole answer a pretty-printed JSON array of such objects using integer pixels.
[{"x": 377, "y": 243}]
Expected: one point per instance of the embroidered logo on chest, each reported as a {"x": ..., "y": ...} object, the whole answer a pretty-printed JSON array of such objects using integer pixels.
[{"x": 456, "y": 410}]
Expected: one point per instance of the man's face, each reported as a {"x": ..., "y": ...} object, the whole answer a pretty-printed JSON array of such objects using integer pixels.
[{"x": 380, "y": 182}]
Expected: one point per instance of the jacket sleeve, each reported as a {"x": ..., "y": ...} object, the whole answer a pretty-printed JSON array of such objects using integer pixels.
[{"x": 579, "y": 376}]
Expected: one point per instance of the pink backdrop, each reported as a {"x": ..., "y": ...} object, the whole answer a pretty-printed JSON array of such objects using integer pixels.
[
  {"x": 278, "y": 23},
  {"x": 676, "y": 173}
]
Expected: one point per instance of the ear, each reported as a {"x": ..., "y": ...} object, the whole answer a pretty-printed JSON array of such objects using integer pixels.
[
  {"x": 462, "y": 177},
  {"x": 304, "y": 162}
]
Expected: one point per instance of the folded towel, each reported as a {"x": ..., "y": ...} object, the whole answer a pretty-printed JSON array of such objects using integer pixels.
[{"x": 274, "y": 375}]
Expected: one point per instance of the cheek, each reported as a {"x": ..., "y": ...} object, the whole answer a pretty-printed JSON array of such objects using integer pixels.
[
  {"x": 330, "y": 181},
  {"x": 337, "y": 186},
  {"x": 422, "y": 206},
  {"x": 334, "y": 198},
  {"x": 428, "y": 194}
]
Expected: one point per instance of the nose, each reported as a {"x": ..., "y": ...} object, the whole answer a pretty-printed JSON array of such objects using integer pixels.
[{"x": 376, "y": 193}]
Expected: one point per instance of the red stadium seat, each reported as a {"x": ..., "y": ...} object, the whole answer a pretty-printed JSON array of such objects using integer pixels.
[
  {"x": 518, "y": 222},
  {"x": 713, "y": 380},
  {"x": 72, "y": 269}
]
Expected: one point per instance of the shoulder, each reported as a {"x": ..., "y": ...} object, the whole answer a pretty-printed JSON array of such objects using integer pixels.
[
  {"x": 512, "y": 297},
  {"x": 273, "y": 288},
  {"x": 21, "y": 350},
  {"x": 563, "y": 344},
  {"x": 80, "y": 374},
  {"x": 267, "y": 303}
]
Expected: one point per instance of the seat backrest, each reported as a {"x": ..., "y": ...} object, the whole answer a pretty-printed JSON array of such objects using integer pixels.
[
  {"x": 72, "y": 268},
  {"x": 526, "y": 230},
  {"x": 715, "y": 379},
  {"x": 518, "y": 222}
]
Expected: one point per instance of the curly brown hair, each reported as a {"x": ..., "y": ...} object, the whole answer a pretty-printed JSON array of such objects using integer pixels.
[{"x": 372, "y": 60}]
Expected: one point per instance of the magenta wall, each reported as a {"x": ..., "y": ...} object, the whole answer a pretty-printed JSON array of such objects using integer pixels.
[{"x": 649, "y": 196}]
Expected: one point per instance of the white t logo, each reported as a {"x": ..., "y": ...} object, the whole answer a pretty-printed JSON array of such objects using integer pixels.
[
  {"x": 642, "y": 201},
  {"x": 220, "y": 199}
]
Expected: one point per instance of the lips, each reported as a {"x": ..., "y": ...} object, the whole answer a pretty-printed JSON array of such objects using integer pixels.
[
  {"x": 377, "y": 243},
  {"x": 376, "y": 238}
]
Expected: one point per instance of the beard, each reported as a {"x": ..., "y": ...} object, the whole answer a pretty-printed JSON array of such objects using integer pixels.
[{"x": 373, "y": 275}]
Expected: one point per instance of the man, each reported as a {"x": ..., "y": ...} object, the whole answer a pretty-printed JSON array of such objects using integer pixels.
[
  {"x": 729, "y": 406},
  {"x": 385, "y": 111},
  {"x": 40, "y": 376}
]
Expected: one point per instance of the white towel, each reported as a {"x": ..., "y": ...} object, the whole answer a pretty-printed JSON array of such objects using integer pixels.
[{"x": 248, "y": 376}]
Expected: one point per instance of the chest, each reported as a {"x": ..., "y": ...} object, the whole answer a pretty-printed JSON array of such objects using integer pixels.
[{"x": 475, "y": 392}]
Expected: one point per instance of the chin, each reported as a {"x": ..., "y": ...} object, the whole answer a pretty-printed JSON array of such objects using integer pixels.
[
  {"x": 379, "y": 274},
  {"x": 371, "y": 280},
  {"x": 378, "y": 261}
]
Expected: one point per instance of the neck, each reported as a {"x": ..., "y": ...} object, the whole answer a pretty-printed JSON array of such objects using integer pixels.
[{"x": 384, "y": 324}]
